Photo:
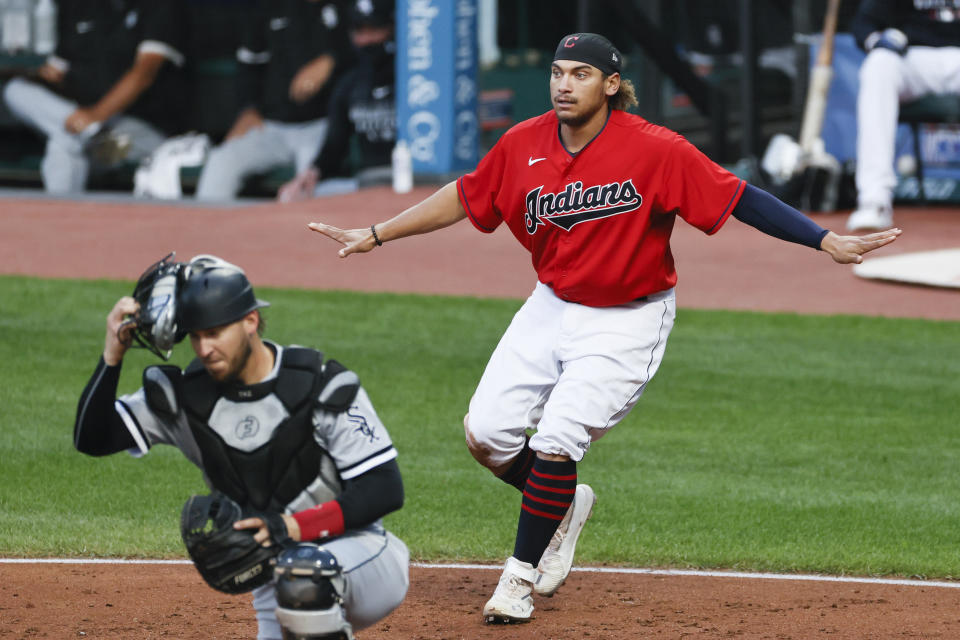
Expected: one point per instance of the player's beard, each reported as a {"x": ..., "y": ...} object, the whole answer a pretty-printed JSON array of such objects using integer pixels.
[
  {"x": 576, "y": 120},
  {"x": 237, "y": 364}
]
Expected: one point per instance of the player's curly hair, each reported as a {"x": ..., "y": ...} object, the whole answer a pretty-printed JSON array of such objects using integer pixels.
[{"x": 625, "y": 97}]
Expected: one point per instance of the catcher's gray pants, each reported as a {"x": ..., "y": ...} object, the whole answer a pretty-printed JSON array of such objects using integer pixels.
[
  {"x": 275, "y": 144},
  {"x": 376, "y": 567},
  {"x": 65, "y": 166}
]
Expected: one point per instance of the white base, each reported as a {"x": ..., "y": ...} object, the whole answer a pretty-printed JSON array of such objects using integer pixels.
[{"x": 932, "y": 268}]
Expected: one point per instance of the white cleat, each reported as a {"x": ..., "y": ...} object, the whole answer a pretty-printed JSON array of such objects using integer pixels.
[
  {"x": 870, "y": 219},
  {"x": 513, "y": 599},
  {"x": 555, "y": 564}
]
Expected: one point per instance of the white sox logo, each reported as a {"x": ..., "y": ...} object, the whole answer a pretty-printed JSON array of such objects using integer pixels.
[
  {"x": 363, "y": 427},
  {"x": 575, "y": 204}
]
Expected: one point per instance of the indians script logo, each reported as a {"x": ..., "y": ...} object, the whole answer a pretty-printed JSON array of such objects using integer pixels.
[{"x": 575, "y": 204}]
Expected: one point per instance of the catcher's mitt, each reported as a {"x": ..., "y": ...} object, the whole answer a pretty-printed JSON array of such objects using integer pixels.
[{"x": 229, "y": 559}]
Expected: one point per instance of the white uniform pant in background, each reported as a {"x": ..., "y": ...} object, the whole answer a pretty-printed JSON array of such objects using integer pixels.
[
  {"x": 65, "y": 165},
  {"x": 886, "y": 80},
  {"x": 275, "y": 144},
  {"x": 376, "y": 565},
  {"x": 568, "y": 370},
  {"x": 369, "y": 177}
]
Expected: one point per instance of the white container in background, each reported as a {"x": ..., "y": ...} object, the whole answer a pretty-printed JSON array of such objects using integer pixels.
[
  {"x": 17, "y": 16},
  {"x": 44, "y": 27},
  {"x": 402, "y": 164}
]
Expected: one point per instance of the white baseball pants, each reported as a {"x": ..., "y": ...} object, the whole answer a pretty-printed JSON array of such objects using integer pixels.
[
  {"x": 569, "y": 371},
  {"x": 275, "y": 144},
  {"x": 886, "y": 80},
  {"x": 65, "y": 166}
]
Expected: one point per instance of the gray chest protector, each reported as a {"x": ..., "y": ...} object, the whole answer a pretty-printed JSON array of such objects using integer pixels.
[{"x": 271, "y": 475}]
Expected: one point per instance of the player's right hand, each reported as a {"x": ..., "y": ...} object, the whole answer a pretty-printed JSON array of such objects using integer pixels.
[
  {"x": 353, "y": 240},
  {"x": 263, "y": 534},
  {"x": 120, "y": 325}
]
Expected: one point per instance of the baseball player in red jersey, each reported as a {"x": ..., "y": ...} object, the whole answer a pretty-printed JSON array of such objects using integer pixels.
[{"x": 592, "y": 192}]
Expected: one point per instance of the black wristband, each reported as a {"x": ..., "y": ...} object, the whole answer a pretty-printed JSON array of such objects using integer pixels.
[{"x": 376, "y": 238}]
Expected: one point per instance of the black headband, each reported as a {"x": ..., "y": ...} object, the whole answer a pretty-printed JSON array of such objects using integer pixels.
[{"x": 591, "y": 48}]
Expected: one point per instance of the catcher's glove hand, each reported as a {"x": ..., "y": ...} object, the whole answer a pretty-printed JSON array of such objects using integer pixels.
[{"x": 229, "y": 559}]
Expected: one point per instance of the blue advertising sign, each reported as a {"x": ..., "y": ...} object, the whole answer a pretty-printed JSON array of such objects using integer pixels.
[{"x": 437, "y": 83}]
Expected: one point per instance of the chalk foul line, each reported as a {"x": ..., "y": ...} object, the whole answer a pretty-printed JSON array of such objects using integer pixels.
[{"x": 733, "y": 575}]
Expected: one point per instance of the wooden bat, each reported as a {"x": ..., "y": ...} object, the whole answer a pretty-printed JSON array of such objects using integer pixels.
[{"x": 820, "y": 77}]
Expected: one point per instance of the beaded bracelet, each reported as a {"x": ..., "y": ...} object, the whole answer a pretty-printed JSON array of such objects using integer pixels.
[{"x": 376, "y": 238}]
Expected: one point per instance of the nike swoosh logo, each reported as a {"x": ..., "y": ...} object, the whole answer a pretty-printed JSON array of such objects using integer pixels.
[{"x": 532, "y": 161}]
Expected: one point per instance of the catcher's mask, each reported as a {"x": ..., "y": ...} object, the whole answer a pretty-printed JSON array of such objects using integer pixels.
[
  {"x": 213, "y": 293},
  {"x": 155, "y": 323}
]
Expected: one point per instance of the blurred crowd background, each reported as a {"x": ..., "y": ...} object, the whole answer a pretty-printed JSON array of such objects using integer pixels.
[{"x": 728, "y": 75}]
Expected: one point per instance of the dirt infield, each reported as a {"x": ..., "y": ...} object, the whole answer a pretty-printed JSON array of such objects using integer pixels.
[
  {"x": 143, "y": 602},
  {"x": 736, "y": 269}
]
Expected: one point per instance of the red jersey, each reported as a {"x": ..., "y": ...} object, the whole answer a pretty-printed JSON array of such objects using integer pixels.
[{"x": 597, "y": 223}]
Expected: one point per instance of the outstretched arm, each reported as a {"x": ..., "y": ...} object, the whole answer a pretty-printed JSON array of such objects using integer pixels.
[
  {"x": 763, "y": 211},
  {"x": 440, "y": 210}
]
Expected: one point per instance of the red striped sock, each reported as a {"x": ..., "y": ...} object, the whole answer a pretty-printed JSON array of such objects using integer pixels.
[
  {"x": 546, "y": 498},
  {"x": 518, "y": 472}
]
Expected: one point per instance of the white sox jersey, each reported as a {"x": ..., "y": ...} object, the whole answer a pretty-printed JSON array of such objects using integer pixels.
[
  {"x": 355, "y": 441},
  {"x": 356, "y": 466}
]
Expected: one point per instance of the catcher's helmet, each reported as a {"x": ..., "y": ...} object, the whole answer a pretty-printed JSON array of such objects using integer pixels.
[
  {"x": 155, "y": 323},
  {"x": 213, "y": 293}
]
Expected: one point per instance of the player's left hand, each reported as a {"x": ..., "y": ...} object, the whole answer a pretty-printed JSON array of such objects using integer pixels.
[
  {"x": 263, "y": 534},
  {"x": 850, "y": 249}
]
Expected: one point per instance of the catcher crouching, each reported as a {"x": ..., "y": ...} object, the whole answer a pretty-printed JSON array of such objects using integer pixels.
[{"x": 300, "y": 468}]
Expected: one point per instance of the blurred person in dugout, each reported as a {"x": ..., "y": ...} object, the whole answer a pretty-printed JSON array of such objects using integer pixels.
[
  {"x": 363, "y": 105},
  {"x": 913, "y": 49},
  {"x": 111, "y": 91},
  {"x": 291, "y": 53}
]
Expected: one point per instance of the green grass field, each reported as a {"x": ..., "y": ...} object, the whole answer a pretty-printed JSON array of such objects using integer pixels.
[{"x": 772, "y": 442}]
